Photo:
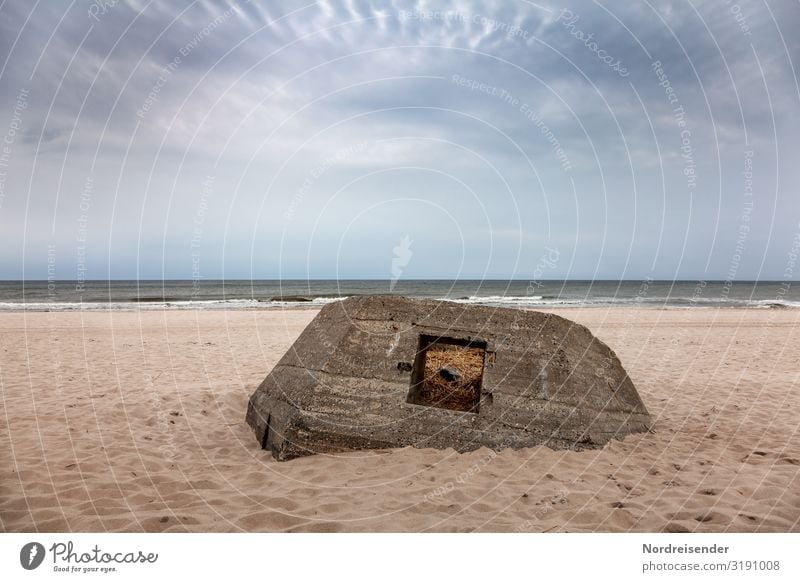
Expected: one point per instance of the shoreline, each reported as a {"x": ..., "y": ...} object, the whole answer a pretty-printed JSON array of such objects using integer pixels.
[{"x": 136, "y": 308}]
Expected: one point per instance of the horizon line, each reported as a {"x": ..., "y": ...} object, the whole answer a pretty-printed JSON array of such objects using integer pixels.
[{"x": 572, "y": 280}]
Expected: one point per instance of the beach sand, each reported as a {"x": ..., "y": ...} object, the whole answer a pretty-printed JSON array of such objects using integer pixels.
[{"x": 134, "y": 421}]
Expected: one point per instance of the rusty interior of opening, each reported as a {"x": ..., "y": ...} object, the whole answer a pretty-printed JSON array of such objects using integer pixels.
[{"x": 448, "y": 373}]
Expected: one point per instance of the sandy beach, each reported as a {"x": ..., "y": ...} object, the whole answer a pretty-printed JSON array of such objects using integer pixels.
[{"x": 134, "y": 421}]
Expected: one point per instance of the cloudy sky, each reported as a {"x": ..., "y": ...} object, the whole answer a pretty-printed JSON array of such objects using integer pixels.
[{"x": 227, "y": 139}]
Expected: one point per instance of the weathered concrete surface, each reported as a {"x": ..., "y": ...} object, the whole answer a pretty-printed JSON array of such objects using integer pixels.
[{"x": 345, "y": 382}]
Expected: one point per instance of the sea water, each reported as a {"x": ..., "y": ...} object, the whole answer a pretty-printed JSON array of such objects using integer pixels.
[{"x": 313, "y": 294}]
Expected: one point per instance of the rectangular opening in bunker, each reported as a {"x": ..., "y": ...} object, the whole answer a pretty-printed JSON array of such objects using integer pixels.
[{"x": 448, "y": 373}]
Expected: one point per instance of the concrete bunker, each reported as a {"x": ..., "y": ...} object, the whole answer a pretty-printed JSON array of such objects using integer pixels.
[{"x": 385, "y": 371}]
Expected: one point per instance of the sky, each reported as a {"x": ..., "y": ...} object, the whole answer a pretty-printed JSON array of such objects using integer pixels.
[{"x": 357, "y": 139}]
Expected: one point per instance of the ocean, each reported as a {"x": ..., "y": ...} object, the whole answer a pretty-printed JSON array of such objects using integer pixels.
[{"x": 276, "y": 294}]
